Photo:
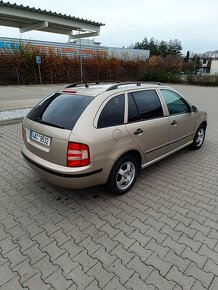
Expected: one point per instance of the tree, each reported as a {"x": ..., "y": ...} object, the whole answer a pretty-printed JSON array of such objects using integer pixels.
[
  {"x": 162, "y": 48},
  {"x": 187, "y": 56},
  {"x": 174, "y": 47}
]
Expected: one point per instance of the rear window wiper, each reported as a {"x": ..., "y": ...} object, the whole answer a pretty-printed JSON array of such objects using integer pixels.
[{"x": 50, "y": 124}]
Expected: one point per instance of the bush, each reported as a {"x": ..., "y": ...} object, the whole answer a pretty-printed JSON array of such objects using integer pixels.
[
  {"x": 160, "y": 75},
  {"x": 210, "y": 80},
  {"x": 19, "y": 67}
]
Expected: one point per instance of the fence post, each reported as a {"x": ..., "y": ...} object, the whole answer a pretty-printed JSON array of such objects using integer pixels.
[
  {"x": 110, "y": 75},
  {"x": 121, "y": 73},
  {"x": 68, "y": 72},
  {"x": 51, "y": 75},
  {"x": 35, "y": 76},
  {"x": 18, "y": 78}
]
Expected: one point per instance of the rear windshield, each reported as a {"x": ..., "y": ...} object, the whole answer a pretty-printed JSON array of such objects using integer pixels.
[{"x": 60, "y": 110}]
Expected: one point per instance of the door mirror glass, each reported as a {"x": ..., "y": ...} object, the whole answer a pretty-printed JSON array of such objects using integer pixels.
[{"x": 194, "y": 109}]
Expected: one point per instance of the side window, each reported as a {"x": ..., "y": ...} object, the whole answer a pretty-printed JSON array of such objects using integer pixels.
[
  {"x": 147, "y": 105},
  {"x": 133, "y": 114},
  {"x": 113, "y": 112},
  {"x": 175, "y": 103}
]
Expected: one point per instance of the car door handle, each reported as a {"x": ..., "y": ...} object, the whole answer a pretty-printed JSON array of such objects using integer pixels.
[
  {"x": 138, "y": 131},
  {"x": 174, "y": 123}
]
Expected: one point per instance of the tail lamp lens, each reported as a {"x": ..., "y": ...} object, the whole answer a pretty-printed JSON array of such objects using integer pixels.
[{"x": 77, "y": 155}]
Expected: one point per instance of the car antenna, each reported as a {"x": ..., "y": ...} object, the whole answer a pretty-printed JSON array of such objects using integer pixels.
[{"x": 85, "y": 83}]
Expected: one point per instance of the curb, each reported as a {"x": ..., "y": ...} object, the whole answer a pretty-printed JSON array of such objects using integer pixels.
[{"x": 11, "y": 121}]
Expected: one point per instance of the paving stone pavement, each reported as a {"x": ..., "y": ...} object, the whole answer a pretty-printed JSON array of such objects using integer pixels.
[{"x": 161, "y": 235}]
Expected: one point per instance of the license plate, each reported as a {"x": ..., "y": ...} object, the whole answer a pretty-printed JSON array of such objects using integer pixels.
[{"x": 42, "y": 139}]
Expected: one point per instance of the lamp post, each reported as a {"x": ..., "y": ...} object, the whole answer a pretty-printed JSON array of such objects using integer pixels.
[{"x": 81, "y": 60}]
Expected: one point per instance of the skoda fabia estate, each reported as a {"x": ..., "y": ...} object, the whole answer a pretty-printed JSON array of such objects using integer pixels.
[{"x": 103, "y": 134}]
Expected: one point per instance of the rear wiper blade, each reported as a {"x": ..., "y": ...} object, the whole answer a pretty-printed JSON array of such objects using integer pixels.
[{"x": 50, "y": 124}]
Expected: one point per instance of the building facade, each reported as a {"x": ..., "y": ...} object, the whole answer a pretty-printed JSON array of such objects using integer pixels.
[{"x": 87, "y": 47}]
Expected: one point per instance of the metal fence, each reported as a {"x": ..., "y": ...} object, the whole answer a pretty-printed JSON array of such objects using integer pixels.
[{"x": 50, "y": 75}]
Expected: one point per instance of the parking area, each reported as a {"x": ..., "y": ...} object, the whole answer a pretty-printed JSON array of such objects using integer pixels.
[{"x": 163, "y": 234}]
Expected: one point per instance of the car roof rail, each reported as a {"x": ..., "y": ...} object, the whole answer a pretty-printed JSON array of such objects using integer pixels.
[
  {"x": 114, "y": 87},
  {"x": 138, "y": 84}
]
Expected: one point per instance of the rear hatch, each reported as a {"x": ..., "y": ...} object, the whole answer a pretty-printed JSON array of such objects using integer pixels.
[{"x": 47, "y": 127}]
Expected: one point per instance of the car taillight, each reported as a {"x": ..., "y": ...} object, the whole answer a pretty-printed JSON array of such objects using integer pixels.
[{"x": 77, "y": 155}]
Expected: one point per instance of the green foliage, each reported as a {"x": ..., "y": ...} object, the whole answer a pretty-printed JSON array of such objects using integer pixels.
[
  {"x": 160, "y": 75},
  {"x": 210, "y": 80},
  {"x": 186, "y": 59},
  {"x": 162, "y": 48}
]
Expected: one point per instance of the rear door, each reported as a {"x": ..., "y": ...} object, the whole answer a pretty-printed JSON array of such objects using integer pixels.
[
  {"x": 182, "y": 119},
  {"x": 147, "y": 123},
  {"x": 48, "y": 125}
]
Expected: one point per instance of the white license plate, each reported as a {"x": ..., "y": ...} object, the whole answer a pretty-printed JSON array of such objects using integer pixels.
[{"x": 42, "y": 139}]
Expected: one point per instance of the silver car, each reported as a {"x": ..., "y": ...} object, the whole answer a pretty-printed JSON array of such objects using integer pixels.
[{"x": 104, "y": 134}]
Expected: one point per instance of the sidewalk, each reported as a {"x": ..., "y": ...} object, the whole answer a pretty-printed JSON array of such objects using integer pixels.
[{"x": 16, "y": 97}]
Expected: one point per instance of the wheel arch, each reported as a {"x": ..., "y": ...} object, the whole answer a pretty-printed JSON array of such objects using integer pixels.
[{"x": 134, "y": 153}]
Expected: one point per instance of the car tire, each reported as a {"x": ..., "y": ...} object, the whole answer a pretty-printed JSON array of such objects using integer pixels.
[
  {"x": 199, "y": 138},
  {"x": 123, "y": 175}
]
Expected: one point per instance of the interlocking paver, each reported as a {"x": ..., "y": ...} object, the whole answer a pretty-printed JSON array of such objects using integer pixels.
[
  {"x": 142, "y": 269},
  {"x": 199, "y": 274},
  {"x": 15, "y": 257},
  {"x": 104, "y": 257},
  {"x": 136, "y": 283},
  {"x": 208, "y": 241},
  {"x": 194, "y": 257},
  {"x": 35, "y": 283},
  {"x": 7, "y": 245},
  {"x": 25, "y": 271},
  {"x": 34, "y": 254},
  {"x": 42, "y": 239},
  {"x": 114, "y": 284},
  {"x": 101, "y": 275},
  {"x": 58, "y": 281},
  {"x": 162, "y": 266},
  {"x": 46, "y": 267},
  {"x": 157, "y": 248},
  {"x": 122, "y": 254},
  {"x": 176, "y": 260},
  {"x": 140, "y": 251},
  {"x": 170, "y": 243},
  {"x": 121, "y": 271},
  {"x": 159, "y": 281},
  {"x": 85, "y": 260},
  {"x": 13, "y": 284},
  {"x": 162, "y": 234},
  {"x": 184, "y": 281},
  {"x": 81, "y": 279},
  {"x": 6, "y": 274},
  {"x": 214, "y": 285}
]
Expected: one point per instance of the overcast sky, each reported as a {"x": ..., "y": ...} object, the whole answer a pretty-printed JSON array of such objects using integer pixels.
[{"x": 194, "y": 22}]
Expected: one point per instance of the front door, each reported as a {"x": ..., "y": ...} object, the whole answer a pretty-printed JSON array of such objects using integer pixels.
[{"x": 182, "y": 119}]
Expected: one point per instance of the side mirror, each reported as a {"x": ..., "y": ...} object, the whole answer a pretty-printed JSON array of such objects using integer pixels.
[{"x": 194, "y": 109}]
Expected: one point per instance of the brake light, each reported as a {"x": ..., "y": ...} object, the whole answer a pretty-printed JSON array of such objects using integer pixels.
[
  {"x": 69, "y": 91},
  {"x": 77, "y": 155}
]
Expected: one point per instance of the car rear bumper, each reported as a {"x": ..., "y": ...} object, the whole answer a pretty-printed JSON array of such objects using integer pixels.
[{"x": 68, "y": 177}]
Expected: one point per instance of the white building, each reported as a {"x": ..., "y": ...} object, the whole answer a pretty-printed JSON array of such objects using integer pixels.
[{"x": 214, "y": 67}]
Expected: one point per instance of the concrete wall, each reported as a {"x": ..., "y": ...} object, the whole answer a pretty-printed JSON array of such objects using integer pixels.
[{"x": 214, "y": 67}]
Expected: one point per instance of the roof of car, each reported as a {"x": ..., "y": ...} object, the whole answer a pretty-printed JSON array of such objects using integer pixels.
[{"x": 96, "y": 89}]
